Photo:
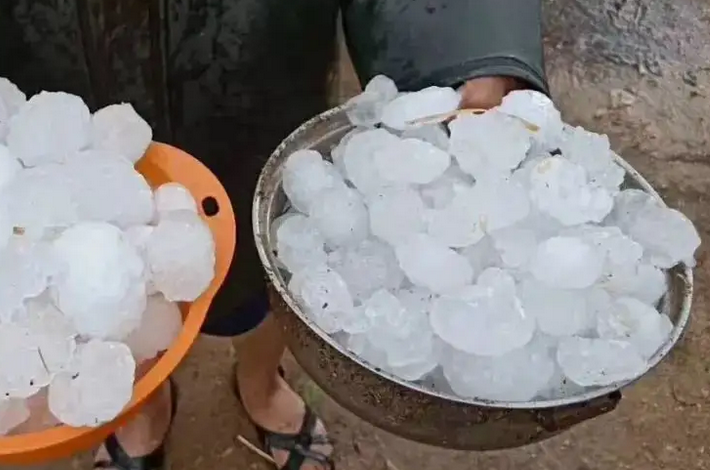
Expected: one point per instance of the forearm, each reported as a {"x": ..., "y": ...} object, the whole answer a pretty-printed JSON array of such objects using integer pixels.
[{"x": 419, "y": 43}]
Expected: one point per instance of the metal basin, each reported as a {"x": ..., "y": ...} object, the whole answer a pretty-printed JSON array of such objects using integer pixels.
[{"x": 412, "y": 410}]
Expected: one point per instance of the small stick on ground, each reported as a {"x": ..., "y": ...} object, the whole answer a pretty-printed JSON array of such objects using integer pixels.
[{"x": 245, "y": 442}]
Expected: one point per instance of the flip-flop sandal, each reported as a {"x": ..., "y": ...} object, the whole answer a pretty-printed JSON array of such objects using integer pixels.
[
  {"x": 298, "y": 444},
  {"x": 119, "y": 458}
]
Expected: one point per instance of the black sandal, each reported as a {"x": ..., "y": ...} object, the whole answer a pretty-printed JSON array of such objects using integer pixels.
[
  {"x": 298, "y": 445},
  {"x": 119, "y": 458}
]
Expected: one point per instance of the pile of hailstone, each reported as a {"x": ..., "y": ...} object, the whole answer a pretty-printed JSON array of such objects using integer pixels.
[
  {"x": 92, "y": 261},
  {"x": 498, "y": 256}
]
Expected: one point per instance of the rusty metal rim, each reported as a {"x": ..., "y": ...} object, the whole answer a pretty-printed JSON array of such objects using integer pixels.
[{"x": 262, "y": 203}]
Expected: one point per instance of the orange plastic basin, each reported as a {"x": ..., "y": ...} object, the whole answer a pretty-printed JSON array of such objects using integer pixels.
[{"x": 161, "y": 164}]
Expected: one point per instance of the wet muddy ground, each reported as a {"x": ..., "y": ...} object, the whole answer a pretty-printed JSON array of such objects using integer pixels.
[{"x": 638, "y": 71}]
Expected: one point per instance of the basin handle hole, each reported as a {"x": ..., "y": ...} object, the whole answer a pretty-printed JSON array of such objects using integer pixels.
[{"x": 210, "y": 206}]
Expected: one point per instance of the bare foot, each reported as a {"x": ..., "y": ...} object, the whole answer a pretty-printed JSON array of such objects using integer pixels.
[
  {"x": 147, "y": 431},
  {"x": 272, "y": 404}
]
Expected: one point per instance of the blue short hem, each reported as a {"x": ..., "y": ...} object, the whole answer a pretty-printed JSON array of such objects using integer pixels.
[{"x": 240, "y": 320}]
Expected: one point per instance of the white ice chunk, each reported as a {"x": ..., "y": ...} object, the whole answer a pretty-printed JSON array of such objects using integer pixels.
[
  {"x": 26, "y": 271},
  {"x": 400, "y": 328},
  {"x": 337, "y": 155},
  {"x": 40, "y": 199},
  {"x": 324, "y": 295},
  {"x": 598, "y": 362},
  {"x": 358, "y": 159},
  {"x": 642, "y": 281},
  {"x": 501, "y": 202},
  {"x": 180, "y": 254},
  {"x": 561, "y": 189},
  {"x": 515, "y": 245},
  {"x": 631, "y": 320},
  {"x": 22, "y": 369},
  {"x": 537, "y": 109},
  {"x": 396, "y": 213},
  {"x": 412, "y": 106},
  {"x": 305, "y": 174},
  {"x": 54, "y": 333},
  {"x": 173, "y": 196},
  {"x": 488, "y": 142},
  {"x": 160, "y": 325},
  {"x": 560, "y": 386},
  {"x": 559, "y": 312},
  {"x": 298, "y": 242},
  {"x": 51, "y": 127},
  {"x": 366, "y": 108},
  {"x": 432, "y": 265},
  {"x": 490, "y": 205},
  {"x": 340, "y": 215},
  {"x": 411, "y": 161},
  {"x": 119, "y": 128},
  {"x": 100, "y": 284},
  {"x": 106, "y": 188},
  {"x": 96, "y": 387},
  {"x": 567, "y": 263},
  {"x": 518, "y": 375},
  {"x": 487, "y": 319},
  {"x": 627, "y": 205},
  {"x": 593, "y": 153},
  {"x": 667, "y": 235},
  {"x": 367, "y": 267}
]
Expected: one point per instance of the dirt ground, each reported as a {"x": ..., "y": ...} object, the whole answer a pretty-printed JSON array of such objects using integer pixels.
[{"x": 638, "y": 71}]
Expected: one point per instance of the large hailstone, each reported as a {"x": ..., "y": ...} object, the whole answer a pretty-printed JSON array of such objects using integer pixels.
[
  {"x": 598, "y": 362},
  {"x": 358, "y": 159},
  {"x": 100, "y": 284},
  {"x": 40, "y": 200},
  {"x": 486, "y": 319},
  {"x": 631, "y": 320},
  {"x": 96, "y": 387},
  {"x": 412, "y": 106},
  {"x": 305, "y": 175},
  {"x": 539, "y": 110},
  {"x": 22, "y": 369},
  {"x": 561, "y": 189},
  {"x": 411, "y": 161},
  {"x": 26, "y": 270},
  {"x": 160, "y": 325},
  {"x": 180, "y": 253},
  {"x": 488, "y": 142},
  {"x": 299, "y": 243},
  {"x": 366, "y": 108},
  {"x": 106, "y": 188},
  {"x": 518, "y": 375},
  {"x": 324, "y": 295},
  {"x": 51, "y": 127},
  {"x": 340, "y": 215},
  {"x": 430, "y": 264},
  {"x": 119, "y": 128},
  {"x": 593, "y": 153},
  {"x": 171, "y": 197},
  {"x": 567, "y": 263}
]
